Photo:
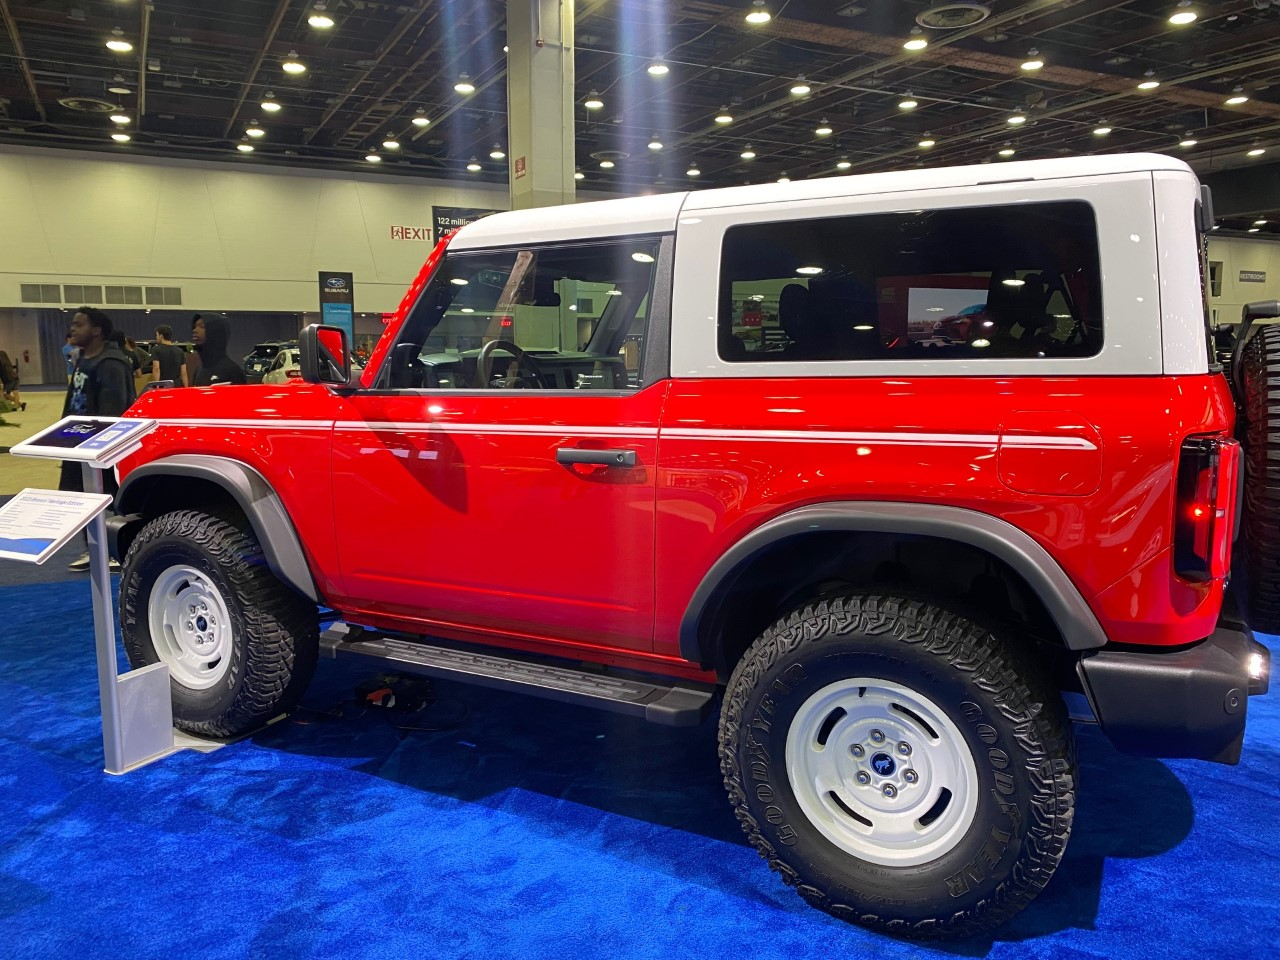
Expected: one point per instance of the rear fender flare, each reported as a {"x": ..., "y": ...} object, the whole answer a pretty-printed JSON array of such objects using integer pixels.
[{"x": 1070, "y": 612}]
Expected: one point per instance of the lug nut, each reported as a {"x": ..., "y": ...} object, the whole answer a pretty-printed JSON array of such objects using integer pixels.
[
  {"x": 877, "y": 736},
  {"x": 904, "y": 748},
  {"x": 890, "y": 790},
  {"x": 857, "y": 750},
  {"x": 910, "y": 776},
  {"x": 863, "y": 777}
]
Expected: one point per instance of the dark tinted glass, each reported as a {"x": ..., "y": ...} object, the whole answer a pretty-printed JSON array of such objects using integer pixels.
[{"x": 1008, "y": 281}]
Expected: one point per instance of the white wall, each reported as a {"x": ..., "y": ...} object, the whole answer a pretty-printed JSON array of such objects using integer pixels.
[
  {"x": 1238, "y": 254},
  {"x": 18, "y": 334},
  {"x": 232, "y": 236}
]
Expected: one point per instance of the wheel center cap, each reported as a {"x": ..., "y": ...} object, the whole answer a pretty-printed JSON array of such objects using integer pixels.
[
  {"x": 883, "y": 764},
  {"x": 203, "y": 625}
]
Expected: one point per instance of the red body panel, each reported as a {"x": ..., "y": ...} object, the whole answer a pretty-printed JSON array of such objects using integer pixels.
[{"x": 1105, "y": 514}]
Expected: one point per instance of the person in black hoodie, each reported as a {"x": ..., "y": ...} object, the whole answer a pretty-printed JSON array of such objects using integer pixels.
[
  {"x": 101, "y": 386},
  {"x": 211, "y": 333}
]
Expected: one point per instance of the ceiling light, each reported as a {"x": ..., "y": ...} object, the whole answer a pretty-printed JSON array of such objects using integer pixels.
[
  {"x": 593, "y": 101},
  {"x": 658, "y": 69},
  {"x": 255, "y": 131},
  {"x": 917, "y": 40},
  {"x": 119, "y": 118},
  {"x": 117, "y": 43},
  {"x": 783, "y": 178},
  {"x": 1017, "y": 119},
  {"x": 1253, "y": 230},
  {"x": 759, "y": 13},
  {"x": 373, "y": 158},
  {"x": 1183, "y": 15},
  {"x": 823, "y": 129},
  {"x": 724, "y": 116},
  {"x": 801, "y": 87},
  {"x": 245, "y": 147},
  {"x": 579, "y": 175},
  {"x": 908, "y": 103},
  {"x": 120, "y": 91},
  {"x": 292, "y": 64},
  {"x": 655, "y": 143},
  {"x": 1260, "y": 223},
  {"x": 497, "y": 153},
  {"x": 1033, "y": 61},
  {"x": 808, "y": 271},
  {"x": 1007, "y": 152},
  {"x": 693, "y": 171},
  {"x": 474, "y": 165},
  {"x": 1188, "y": 141},
  {"x": 639, "y": 257},
  {"x": 1256, "y": 152},
  {"x": 120, "y": 137},
  {"x": 927, "y": 142},
  {"x": 843, "y": 163},
  {"x": 1014, "y": 282},
  {"x": 391, "y": 143},
  {"x": 269, "y": 102},
  {"x": 464, "y": 84},
  {"x": 319, "y": 19},
  {"x": 1150, "y": 83},
  {"x": 606, "y": 164},
  {"x": 748, "y": 154},
  {"x": 1101, "y": 131},
  {"x": 420, "y": 119},
  {"x": 1237, "y": 97},
  {"x": 458, "y": 282}
]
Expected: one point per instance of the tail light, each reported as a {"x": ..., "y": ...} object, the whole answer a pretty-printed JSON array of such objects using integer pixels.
[{"x": 1206, "y": 507}]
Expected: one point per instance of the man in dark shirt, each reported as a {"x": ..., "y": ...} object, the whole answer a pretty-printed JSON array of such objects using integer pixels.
[
  {"x": 167, "y": 357},
  {"x": 212, "y": 332},
  {"x": 101, "y": 386}
]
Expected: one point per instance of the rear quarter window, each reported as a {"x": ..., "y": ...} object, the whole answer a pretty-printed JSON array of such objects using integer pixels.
[{"x": 999, "y": 281}]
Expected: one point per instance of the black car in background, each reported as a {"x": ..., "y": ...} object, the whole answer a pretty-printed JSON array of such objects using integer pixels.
[{"x": 257, "y": 362}]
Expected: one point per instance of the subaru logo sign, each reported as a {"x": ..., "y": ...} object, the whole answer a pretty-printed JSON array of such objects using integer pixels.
[
  {"x": 883, "y": 764},
  {"x": 336, "y": 282}
]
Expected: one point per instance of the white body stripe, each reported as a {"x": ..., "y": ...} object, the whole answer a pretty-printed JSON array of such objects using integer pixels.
[{"x": 904, "y": 438}]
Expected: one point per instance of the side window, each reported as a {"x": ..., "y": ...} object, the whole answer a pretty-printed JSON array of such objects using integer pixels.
[
  {"x": 1011, "y": 281},
  {"x": 549, "y": 317}
]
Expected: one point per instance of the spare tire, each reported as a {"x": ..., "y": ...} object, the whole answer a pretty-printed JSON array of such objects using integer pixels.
[{"x": 1261, "y": 515}]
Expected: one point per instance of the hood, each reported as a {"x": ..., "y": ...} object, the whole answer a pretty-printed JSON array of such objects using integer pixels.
[{"x": 217, "y": 333}]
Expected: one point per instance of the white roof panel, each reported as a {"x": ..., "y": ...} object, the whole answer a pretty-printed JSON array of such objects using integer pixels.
[{"x": 575, "y": 221}]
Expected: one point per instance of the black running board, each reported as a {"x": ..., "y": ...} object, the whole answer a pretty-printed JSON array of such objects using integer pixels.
[{"x": 672, "y": 704}]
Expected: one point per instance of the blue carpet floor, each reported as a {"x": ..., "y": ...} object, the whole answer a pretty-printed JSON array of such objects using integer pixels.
[{"x": 530, "y": 829}]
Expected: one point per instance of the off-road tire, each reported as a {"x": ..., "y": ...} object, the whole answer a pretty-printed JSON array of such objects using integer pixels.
[
  {"x": 1261, "y": 514},
  {"x": 1008, "y": 718},
  {"x": 273, "y": 640}
]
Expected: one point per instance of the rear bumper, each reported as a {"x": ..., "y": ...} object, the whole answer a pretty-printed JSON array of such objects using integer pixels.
[{"x": 1190, "y": 702}]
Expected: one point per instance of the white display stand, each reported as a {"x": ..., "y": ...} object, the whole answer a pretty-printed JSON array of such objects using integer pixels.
[{"x": 137, "y": 713}]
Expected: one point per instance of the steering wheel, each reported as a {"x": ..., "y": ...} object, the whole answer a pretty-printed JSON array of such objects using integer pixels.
[{"x": 521, "y": 360}]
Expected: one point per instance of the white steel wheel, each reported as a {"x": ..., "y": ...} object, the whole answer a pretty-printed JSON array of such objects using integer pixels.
[
  {"x": 882, "y": 772},
  {"x": 190, "y": 627}
]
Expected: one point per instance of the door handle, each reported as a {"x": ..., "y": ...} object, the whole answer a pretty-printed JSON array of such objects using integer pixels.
[{"x": 607, "y": 458}]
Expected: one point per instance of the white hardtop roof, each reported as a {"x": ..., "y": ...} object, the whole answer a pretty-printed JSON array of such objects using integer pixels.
[{"x": 659, "y": 213}]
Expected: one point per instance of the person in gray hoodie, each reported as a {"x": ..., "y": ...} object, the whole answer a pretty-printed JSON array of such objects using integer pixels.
[{"x": 211, "y": 333}]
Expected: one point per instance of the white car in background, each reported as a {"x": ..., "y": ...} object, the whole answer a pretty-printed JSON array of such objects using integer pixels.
[{"x": 285, "y": 368}]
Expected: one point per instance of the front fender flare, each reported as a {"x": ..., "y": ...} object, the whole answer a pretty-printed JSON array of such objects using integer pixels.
[
  {"x": 1072, "y": 615},
  {"x": 256, "y": 498}
]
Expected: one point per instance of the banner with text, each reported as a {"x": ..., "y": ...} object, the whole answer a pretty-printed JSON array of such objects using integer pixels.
[
  {"x": 338, "y": 302},
  {"x": 449, "y": 219}
]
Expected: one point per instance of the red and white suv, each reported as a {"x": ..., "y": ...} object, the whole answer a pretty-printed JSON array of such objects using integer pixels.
[{"x": 658, "y": 454}]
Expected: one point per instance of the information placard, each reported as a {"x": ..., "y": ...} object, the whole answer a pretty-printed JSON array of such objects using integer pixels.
[
  {"x": 99, "y": 441},
  {"x": 35, "y": 523}
]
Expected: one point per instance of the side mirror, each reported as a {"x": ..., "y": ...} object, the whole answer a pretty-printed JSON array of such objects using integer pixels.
[{"x": 323, "y": 355}]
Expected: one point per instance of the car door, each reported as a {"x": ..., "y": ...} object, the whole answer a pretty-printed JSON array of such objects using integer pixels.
[{"x": 518, "y": 498}]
